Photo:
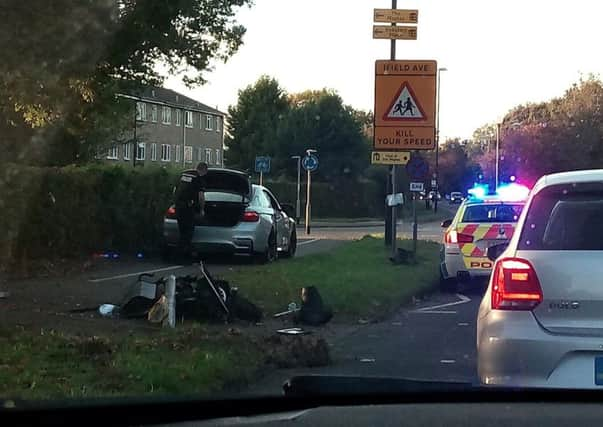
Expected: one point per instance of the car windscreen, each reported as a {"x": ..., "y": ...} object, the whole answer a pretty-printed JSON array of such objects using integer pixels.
[
  {"x": 218, "y": 196},
  {"x": 565, "y": 218},
  {"x": 501, "y": 212}
]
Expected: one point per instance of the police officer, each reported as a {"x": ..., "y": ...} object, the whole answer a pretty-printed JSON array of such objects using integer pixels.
[{"x": 189, "y": 197}]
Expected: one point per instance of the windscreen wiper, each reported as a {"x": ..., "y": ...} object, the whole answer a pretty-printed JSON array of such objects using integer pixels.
[{"x": 338, "y": 385}]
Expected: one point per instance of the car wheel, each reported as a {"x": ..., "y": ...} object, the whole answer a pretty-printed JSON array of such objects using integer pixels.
[
  {"x": 290, "y": 253},
  {"x": 270, "y": 253},
  {"x": 448, "y": 285}
]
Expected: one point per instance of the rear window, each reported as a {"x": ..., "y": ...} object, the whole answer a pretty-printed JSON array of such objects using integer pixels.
[
  {"x": 565, "y": 218},
  {"x": 218, "y": 196},
  {"x": 492, "y": 213}
]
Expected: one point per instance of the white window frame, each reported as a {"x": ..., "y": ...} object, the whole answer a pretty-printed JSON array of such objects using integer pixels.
[
  {"x": 199, "y": 154},
  {"x": 188, "y": 154},
  {"x": 208, "y": 156},
  {"x": 154, "y": 113},
  {"x": 141, "y": 151},
  {"x": 166, "y": 115},
  {"x": 113, "y": 153},
  {"x": 177, "y": 151},
  {"x": 188, "y": 115},
  {"x": 141, "y": 111},
  {"x": 166, "y": 152},
  {"x": 127, "y": 147},
  {"x": 154, "y": 151},
  {"x": 178, "y": 117},
  {"x": 218, "y": 160},
  {"x": 217, "y": 123},
  {"x": 208, "y": 122}
]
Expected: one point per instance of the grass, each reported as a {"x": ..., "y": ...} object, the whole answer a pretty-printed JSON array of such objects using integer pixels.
[
  {"x": 51, "y": 365},
  {"x": 356, "y": 279}
]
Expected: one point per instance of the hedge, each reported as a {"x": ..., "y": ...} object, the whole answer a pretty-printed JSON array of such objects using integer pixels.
[{"x": 62, "y": 212}]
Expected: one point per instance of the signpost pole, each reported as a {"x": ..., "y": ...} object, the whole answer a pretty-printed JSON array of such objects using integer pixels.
[
  {"x": 308, "y": 202},
  {"x": 261, "y": 177},
  {"x": 393, "y": 230},
  {"x": 414, "y": 224}
]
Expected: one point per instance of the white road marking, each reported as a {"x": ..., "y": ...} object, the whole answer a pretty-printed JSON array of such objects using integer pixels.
[
  {"x": 305, "y": 242},
  {"x": 463, "y": 300},
  {"x": 433, "y": 312},
  {"x": 138, "y": 273}
]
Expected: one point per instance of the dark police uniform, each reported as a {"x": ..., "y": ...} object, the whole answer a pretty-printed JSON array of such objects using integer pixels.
[{"x": 187, "y": 202}]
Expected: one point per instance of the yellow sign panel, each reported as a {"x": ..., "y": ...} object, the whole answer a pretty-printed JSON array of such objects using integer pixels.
[
  {"x": 390, "y": 157},
  {"x": 405, "y": 105},
  {"x": 401, "y": 16},
  {"x": 399, "y": 32}
]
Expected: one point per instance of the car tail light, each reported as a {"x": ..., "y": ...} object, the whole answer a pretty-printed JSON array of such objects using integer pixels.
[
  {"x": 250, "y": 216},
  {"x": 171, "y": 212},
  {"x": 453, "y": 237},
  {"x": 515, "y": 285}
]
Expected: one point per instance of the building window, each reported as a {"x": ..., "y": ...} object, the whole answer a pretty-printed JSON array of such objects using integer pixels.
[
  {"x": 154, "y": 152},
  {"x": 188, "y": 154},
  {"x": 177, "y": 154},
  {"x": 127, "y": 151},
  {"x": 199, "y": 154},
  {"x": 112, "y": 153},
  {"x": 188, "y": 119},
  {"x": 208, "y": 121},
  {"x": 177, "y": 117},
  {"x": 208, "y": 156},
  {"x": 166, "y": 115},
  {"x": 141, "y": 111},
  {"x": 218, "y": 161},
  {"x": 166, "y": 152},
  {"x": 217, "y": 124},
  {"x": 154, "y": 113},
  {"x": 141, "y": 151}
]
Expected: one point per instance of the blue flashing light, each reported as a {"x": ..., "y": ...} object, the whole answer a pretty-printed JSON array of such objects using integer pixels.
[{"x": 479, "y": 191}]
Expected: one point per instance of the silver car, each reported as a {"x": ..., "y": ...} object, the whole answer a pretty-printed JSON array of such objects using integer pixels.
[
  {"x": 540, "y": 322},
  {"x": 240, "y": 219}
]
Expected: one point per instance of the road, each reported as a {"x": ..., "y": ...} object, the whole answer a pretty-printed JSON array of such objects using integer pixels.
[{"x": 433, "y": 339}]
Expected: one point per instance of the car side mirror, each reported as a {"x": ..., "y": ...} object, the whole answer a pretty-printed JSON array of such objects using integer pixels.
[
  {"x": 495, "y": 251},
  {"x": 446, "y": 223},
  {"x": 288, "y": 209}
]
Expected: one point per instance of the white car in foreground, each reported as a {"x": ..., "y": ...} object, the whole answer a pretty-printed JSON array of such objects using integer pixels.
[{"x": 540, "y": 323}]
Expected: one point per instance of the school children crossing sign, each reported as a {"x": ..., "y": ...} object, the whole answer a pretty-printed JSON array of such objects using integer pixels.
[{"x": 405, "y": 105}]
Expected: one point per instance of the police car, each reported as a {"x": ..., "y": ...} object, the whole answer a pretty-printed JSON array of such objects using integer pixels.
[{"x": 482, "y": 220}]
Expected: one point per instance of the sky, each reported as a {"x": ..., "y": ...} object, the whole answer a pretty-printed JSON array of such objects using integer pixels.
[{"x": 499, "y": 54}]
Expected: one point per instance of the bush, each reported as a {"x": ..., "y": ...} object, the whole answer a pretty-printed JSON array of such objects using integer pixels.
[{"x": 70, "y": 211}]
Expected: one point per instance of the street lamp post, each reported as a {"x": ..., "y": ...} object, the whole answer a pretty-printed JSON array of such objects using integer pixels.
[
  {"x": 497, "y": 151},
  {"x": 297, "y": 200},
  {"x": 437, "y": 153}
]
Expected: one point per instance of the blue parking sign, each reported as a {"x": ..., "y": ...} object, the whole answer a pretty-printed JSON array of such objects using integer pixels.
[
  {"x": 262, "y": 164},
  {"x": 310, "y": 163}
]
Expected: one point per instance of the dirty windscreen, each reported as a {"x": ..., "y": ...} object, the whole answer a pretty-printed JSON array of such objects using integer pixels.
[{"x": 324, "y": 144}]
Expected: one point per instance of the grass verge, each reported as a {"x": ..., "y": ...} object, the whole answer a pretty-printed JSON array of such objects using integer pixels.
[
  {"x": 183, "y": 362},
  {"x": 356, "y": 279}
]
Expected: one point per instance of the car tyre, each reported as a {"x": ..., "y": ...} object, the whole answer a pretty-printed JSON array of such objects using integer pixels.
[
  {"x": 290, "y": 253},
  {"x": 269, "y": 255},
  {"x": 448, "y": 285}
]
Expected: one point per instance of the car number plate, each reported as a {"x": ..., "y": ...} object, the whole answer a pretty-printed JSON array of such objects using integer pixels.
[{"x": 599, "y": 370}]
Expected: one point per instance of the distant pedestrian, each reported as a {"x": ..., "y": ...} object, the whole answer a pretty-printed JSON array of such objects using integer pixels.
[{"x": 190, "y": 198}]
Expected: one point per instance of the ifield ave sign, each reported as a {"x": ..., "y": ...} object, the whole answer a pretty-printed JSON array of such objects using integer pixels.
[{"x": 405, "y": 105}]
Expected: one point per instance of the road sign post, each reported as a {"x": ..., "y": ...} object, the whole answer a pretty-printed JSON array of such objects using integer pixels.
[
  {"x": 262, "y": 166},
  {"x": 310, "y": 164},
  {"x": 418, "y": 170}
]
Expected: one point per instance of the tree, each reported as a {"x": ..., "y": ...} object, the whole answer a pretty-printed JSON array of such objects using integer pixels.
[
  {"x": 320, "y": 120},
  {"x": 253, "y": 123},
  {"x": 64, "y": 61}
]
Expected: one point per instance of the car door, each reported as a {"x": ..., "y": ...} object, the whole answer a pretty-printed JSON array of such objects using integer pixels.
[{"x": 281, "y": 220}]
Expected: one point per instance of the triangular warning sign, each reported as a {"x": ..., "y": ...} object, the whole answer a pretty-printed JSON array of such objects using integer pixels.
[{"x": 405, "y": 106}]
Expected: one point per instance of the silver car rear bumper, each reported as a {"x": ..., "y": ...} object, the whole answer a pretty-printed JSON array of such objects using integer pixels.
[
  {"x": 515, "y": 350},
  {"x": 244, "y": 238}
]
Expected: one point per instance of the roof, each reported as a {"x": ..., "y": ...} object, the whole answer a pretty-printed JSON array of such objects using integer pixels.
[
  {"x": 160, "y": 95},
  {"x": 568, "y": 177}
]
